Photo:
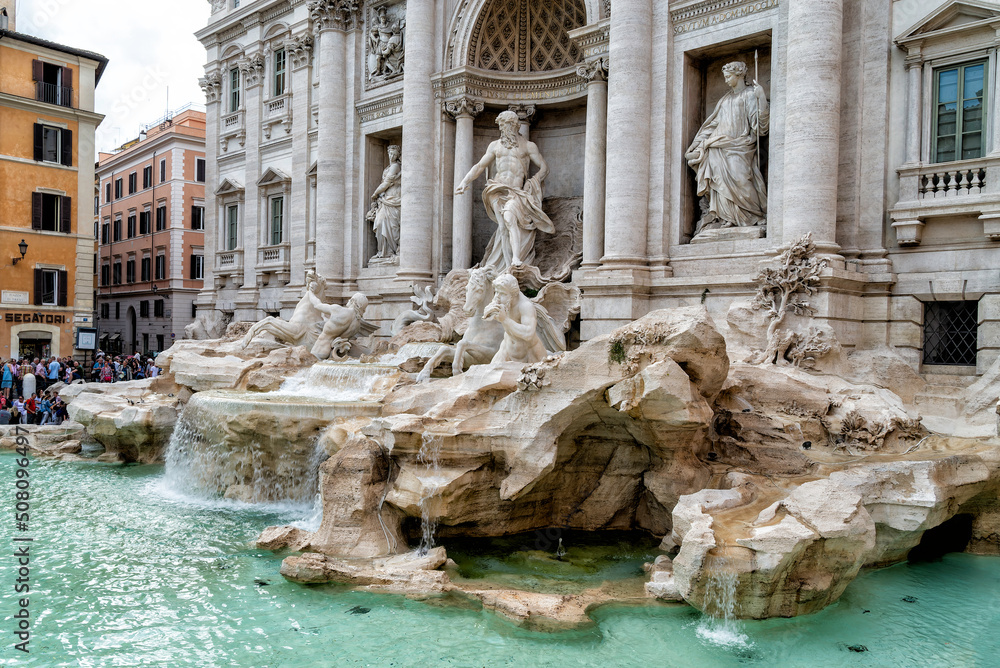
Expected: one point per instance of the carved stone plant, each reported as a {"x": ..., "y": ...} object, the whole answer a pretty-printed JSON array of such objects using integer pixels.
[{"x": 782, "y": 290}]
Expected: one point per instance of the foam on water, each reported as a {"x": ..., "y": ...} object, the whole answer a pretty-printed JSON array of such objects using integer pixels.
[
  {"x": 335, "y": 381},
  {"x": 719, "y": 625}
]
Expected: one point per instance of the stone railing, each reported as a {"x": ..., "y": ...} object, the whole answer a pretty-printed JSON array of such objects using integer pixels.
[
  {"x": 954, "y": 182},
  {"x": 229, "y": 262},
  {"x": 274, "y": 258},
  {"x": 276, "y": 107},
  {"x": 232, "y": 123},
  {"x": 278, "y": 110}
]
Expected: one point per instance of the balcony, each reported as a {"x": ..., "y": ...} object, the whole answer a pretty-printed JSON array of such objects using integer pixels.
[
  {"x": 53, "y": 94},
  {"x": 233, "y": 127},
  {"x": 274, "y": 260},
  {"x": 229, "y": 262},
  {"x": 961, "y": 188},
  {"x": 277, "y": 110}
]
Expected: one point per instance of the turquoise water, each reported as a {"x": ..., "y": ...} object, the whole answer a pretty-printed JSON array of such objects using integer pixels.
[{"x": 127, "y": 574}]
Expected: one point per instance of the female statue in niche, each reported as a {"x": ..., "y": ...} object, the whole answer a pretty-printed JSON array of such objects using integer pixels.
[
  {"x": 385, "y": 209},
  {"x": 724, "y": 155}
]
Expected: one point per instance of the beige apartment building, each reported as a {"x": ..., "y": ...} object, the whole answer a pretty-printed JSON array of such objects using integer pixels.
[{"x": 150, "y": 235}]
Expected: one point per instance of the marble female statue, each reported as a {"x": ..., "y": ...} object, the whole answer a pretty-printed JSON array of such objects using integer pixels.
[
  {"x": 724, "y": 155},
  {"x": 519, "y": 318},
  {"x": 306, "y": 323},
  {"x": 386, "y": 201},
  {"x": 513, "y": 201}
]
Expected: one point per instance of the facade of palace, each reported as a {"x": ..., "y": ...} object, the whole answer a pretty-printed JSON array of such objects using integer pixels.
[
  {"x": 151, "y": 235},
  {"x": 47, "y": 128},
  {"x": 673, "y": 176}
]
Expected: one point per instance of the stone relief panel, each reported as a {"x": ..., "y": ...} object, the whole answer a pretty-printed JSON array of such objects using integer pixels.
[
  {"x": 526, "y": 35},
  {"x": 385, "y": 26},
  {"x": 713, "y": 12}
]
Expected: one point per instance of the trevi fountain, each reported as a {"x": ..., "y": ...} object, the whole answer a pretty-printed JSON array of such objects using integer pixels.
[{"x": 509, "y": 462}]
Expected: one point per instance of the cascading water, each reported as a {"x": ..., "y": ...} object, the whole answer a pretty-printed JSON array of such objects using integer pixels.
[
  {"x": 430, "y": 456},
  {"x": 336, "y": 381},
  {"x": 719, "y": 625}
]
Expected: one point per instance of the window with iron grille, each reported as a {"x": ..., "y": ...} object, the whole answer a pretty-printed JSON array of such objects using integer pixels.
[{"x": 950, "y": 330}]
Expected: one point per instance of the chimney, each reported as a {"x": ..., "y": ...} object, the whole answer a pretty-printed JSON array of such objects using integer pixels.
[{"x": 7, "y": 17}]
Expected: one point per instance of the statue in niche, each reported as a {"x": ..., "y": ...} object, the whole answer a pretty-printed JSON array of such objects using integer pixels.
[
  {"x": 513, "y": 201},
  {"x": 343, "y": 324},
  {"x": 385, "y": 210},
  {"x": 306, "y": 323},
  {"x": 724, "y": 154},
  {"x": 516, "y": 314},
  {"x": 385, "y": 46}
]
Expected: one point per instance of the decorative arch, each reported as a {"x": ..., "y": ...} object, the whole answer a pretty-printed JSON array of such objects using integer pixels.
[
  {"x": 523, "y": 36},
  {"x": 279, "y": 30},
  {"x": 470, "y": 14}
]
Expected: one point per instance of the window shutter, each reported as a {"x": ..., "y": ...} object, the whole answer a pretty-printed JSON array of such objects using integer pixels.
[
  {"x": 38, "y": 141},
  {"x": 38, "y": 287},
  {"x": 63, "y": 276},
  {"x": 36, "y": 211},
  {"x": 37, "y": 70},
  {"x": 65, "y": 208},
  {"x": 67, "y": 147},
  {"x": 67, "y": 77},
  {"x": 192, "y": 267}
]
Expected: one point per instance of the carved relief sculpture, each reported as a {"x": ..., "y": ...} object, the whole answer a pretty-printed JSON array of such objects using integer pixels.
[
  {"x": 513, "y": 201},
  {"x": 725, "y": 156},
  {"x": 385, "y": 210},
  {"x": 385, "y": 45},
  {"x": 343, "y": 324},
  {"x": 306, "y": 323},
  {"x": 516, "y": 314}
]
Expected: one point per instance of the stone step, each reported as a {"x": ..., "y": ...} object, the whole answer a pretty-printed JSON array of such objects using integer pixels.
[
  {"x": 950, "y": 379},
  {"x": 940, "y": 400}
]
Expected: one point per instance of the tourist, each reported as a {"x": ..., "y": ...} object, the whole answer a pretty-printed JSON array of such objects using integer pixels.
[
  {"x": 45, "y": 409},
  {"x": 107, "y": 373},
  {"x": 58, "y": 410},
  {"x": 153, "y": 371},
  {"x": 4, "y": 415},
  {"x": 7, "y": 380},
  {"x": 38, "y": 366},
  {"x": 53, "y": 376},
  {"x": 95, "y": 372},
  {"x": 31, "y": 408},
  {"x": 19, "y": 409}
]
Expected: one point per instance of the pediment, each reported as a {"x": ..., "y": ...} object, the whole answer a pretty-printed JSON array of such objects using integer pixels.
[
  {"x": 952, "y": 17},
  {"x": 228, "y": 186},
  {"x": 272, "y": 176},
  {"x": 312, "y": 170}
]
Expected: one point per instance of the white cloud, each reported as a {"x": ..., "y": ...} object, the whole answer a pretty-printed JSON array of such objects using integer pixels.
[{"x": 150, "y": 46}]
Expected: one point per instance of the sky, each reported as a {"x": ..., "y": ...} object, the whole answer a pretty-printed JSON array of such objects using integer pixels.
[{"x": 150, "y": 47}]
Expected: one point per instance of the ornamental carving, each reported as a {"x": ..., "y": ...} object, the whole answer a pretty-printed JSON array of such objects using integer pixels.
[
  {"x": 464, "y": 106},
  {"x": 211, "y": 84},
  {"x": 384, "y": 46},
  {"x": 594, "y": 70},
  {"x": 253, "y": 70},
  {"x": 526, "y": 35},
  {"x": 334, "y": 14},
  {"x": 299, "y": 50}
]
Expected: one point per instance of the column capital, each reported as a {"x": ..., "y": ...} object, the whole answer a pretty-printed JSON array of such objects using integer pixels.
[
  {"x": 464, "y": 106},
  {"x": 211, "y": 84},
  {"x": 299, "y": 48},
  {"x": 253, "y": 69},
  {"x": 594, "y": 71},
  {"x": 334, "y": 14},
  {"x": 524, "y": 111}
]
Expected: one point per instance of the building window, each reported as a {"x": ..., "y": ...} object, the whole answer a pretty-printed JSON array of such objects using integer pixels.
[
  {"x": 158, "y": 308},
  {"x": 105, "y": 274},
  {"x": 117, "y": 230},
  {"x": 161, "y": 218},
  {"x": 161, "y": 267},
  {"x": 131, "y": 225},
  {"x": 145, "y": 342},
  {"x": 197, "y": 217},
  {"x": 50, "y": 213},
  {"x": 118, "y": 310},
  {"x": 130, "y": 270},
  {"x": 236, "y": 3},
  {"x": 95, "y": 264},
  {"x": 159, "y": 343},
  {"x": 116, "y": 273},
  {"x": 144, "y": 309},
  {"x": 53, "y": 145},
  {"x": 277, "y": 213},
  {"x": 50, "y": 287},
  {"x": 107, "y": 192},
  {"x": 232, "y": 226},
  {"x": 106, "y": 311},
  {"x": 279, "y": 72},
  {"x": 199, "y": 170},
  {"x": 106, "y": 233},
  {"x": 959, "y": 114},
  {"x": 133, "y": 182},
  {"x": 197, "y": 267},
  {"x": 145, "y": 268},
  {"x": 194, "y": 310},
  {"x": 118, "y": 188},
  {"x": 53, "y": 83},
  {"x": 147, "y": 176},
  {"x": 163, "y": 170},
  {"x": 950, "y": 333},
  {"x": 234, "y": 89},
  {"x": 144, "y": 222}
]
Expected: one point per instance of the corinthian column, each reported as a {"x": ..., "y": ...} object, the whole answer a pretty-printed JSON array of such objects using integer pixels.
[
  {"x": 416, "y": 229},
  {"x": 595, "y": 154},
  {"x": 812, "y": 121},
  {"x": 253, "y": 78},
  {"x": 524, "y": 113},
  {"x": 329, "y": 19},
  {"x": 464, "y": 109},
  {"x": 629, "y": 95},
  {"x": 212, "y": 85}
]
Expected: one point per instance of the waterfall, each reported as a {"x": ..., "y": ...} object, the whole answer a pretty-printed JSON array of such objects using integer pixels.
[
  {"x": 719, "y": 625},
  {"x": 336, "y": 381},
  {"x": 430, "y": 456}
]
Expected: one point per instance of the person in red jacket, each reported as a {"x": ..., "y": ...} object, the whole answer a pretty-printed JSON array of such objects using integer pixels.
[{"x": 31, "y": 407}]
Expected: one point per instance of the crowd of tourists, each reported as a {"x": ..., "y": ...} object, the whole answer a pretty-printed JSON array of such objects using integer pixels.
[{"x": 26, "y": 393}]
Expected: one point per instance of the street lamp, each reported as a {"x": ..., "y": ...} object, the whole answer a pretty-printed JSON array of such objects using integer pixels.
[{"x": 23, "y": 247}]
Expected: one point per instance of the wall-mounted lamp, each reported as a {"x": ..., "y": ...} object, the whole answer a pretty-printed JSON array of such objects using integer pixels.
[{"x": 23, "y": 247}]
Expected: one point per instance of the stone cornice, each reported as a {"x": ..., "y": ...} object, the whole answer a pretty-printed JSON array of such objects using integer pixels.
[
  {"x": 712, "y": 12},
  {"x": 237, "y": 25},
  {"x": 592, "y": 40},
  {"x": 380, "y": 108},
  {"x": 503, "y": 89}
]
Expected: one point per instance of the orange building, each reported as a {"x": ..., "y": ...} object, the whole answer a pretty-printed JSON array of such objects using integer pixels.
[
  {"x": 47, "y": 127},
  {"x": 151, "y": 240}
]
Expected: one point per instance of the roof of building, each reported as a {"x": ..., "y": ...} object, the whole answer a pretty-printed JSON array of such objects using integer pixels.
[{"x": 102, "y": 62}]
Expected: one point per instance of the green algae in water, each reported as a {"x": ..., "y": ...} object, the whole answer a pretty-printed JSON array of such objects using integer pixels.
[{"x": 128, "y": 574}]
